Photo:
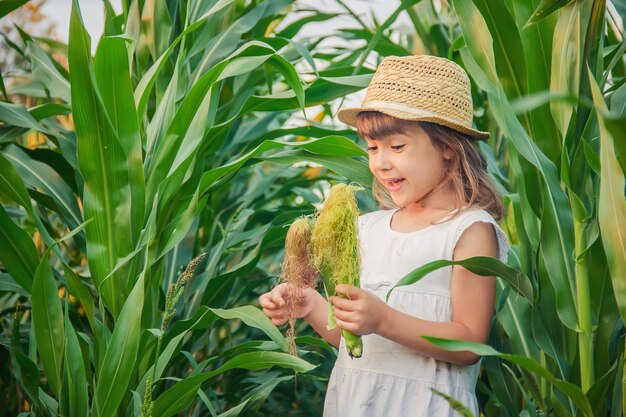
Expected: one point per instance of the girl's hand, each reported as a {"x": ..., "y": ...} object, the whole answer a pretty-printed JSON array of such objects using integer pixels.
[
  {"x": 274, "y": 304},
  {"x": 361, "y": 312}
]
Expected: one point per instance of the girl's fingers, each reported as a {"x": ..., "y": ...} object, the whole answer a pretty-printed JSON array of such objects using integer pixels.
[
  {"x": 345, "y": 325},
  {"x": 264, "y": 298},
  {"x": 342, "y": 303},
  {"x": 269, "y": 312},
  {"x": 274, "y": 314},
  {"x": 266, "y": 301},
  {"x": 350, "y": 291},
  {"x": 277, "y": 298},
  {"x": 345, "y": 315}
]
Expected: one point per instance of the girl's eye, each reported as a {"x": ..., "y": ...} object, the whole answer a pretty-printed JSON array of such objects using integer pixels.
[
  {"x": 372, "y": 148},
  {"x": 397, "y": 147}
]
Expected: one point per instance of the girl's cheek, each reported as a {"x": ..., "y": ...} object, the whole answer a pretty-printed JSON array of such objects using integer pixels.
[{"x": 371, "y": 165}]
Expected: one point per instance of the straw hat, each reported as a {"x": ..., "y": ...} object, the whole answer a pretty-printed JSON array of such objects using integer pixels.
[{"x": 422, "y": 88}]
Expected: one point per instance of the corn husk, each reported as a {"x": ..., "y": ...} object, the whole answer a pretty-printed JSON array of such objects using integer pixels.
[{"x": 336, "y": 250}]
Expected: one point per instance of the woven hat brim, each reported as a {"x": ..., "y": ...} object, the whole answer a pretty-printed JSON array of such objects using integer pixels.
[{"x": 349, "y": 116}]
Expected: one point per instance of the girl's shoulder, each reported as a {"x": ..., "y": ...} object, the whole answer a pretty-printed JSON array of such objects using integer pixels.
[{"x": 462, "y": 221}]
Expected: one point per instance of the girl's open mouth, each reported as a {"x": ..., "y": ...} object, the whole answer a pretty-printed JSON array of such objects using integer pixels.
[{"x": 394, "y": 184}]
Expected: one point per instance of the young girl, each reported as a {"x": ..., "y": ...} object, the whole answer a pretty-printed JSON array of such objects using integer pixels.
[{"x": 437, "y": 202}]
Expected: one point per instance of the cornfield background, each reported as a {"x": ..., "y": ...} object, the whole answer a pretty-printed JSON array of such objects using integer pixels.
[{"x": 184, "y": 136}]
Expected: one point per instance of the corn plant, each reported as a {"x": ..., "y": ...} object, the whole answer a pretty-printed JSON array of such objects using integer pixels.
[
  {"x": 191, "y": 100},
  {"x": 549, "y": 80},
  {"x": 119, "y": 169}
]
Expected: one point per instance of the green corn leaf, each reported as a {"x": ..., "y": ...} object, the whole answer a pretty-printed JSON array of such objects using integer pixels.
[
  {"x": 254, "y": 317},
  {"x": 557, "y": 224},
  {"x": 120, "y": 358},
  {"x": 332, "y": 146},
  {"x": 361, "y": 81},
  {"x": 81, "y": 292},
  {"x": 46, "y": 110},
  {"x": 259, "y": 393},
  {"x": 27, "y": 375},
  {"x": 544, "y": 10},
  {"x": 17, "y": 115},
  {"x": 143, "y": 90},
  {"x": 507, "y": 47},
  {"x": 103, "y": 165},
  {"x": 7, "y": 6},
  {"x": 40, "y": 176},
  {"x": 162, "y": 117},
  {"x": 566, "y": 63},
  {"x": 615, "y": 125},
  {"x": 478, "y": 40},
  {"x": 8, "y": 284},
  {"x": 202, "y": 318},
  {"x": 568, "y": 388},
  {"x": 101, "y": 338},
  {"x": 177, "y": 148},
  {"x": 618, "y": 405},
  {"x": 74, "y": 375},
  {"x": 515, "y": 318},
  {"x": 618, "y": 98},
  {"x": 526, "y": 212},
  {"x": 210, "y": 177},
  {"x": 320, "y": 92},
  {"x": 305, "y": 54},
  {"x": 17, "y": 252},
  {"x": 3, "y": 88},
  {"x": 404, "y": 4},
  {"x": 45, "y": 72},
  {"x": 354, "y": 170},
  {"x": 177, "y": 229},
  {"x": 480, "y": 265},
  {"x": 312, "y": 132},
  {"x": 11, "y": 185},
  {"x": 224, "y": 43},
  {"x": 612, "y": 205},
  {"x": 113, "y": 76},
  {"x": 293, "y": 28},
  {"x": 180, "y": 144},
  {"x": 48, "y": 323},
  {"x": 291, "y": 77},
  {"x": 178, "y": 397}
]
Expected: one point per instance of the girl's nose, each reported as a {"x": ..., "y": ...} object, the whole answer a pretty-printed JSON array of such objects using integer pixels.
[{"x": 381, "y": 161}]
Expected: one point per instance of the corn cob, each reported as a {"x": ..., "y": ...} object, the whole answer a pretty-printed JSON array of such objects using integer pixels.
[
  {"x": 336, "y": 250},
  {"x": 297, "y": 270}
]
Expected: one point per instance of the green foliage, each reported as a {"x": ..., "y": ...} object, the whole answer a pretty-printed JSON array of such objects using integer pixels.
[
  {"x": 174, "y": 149},
  {"x": 182, "y": 142},
  {"x": 566, "y": 205}
]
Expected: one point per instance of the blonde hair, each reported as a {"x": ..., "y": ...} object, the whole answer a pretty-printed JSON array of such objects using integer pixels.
[{"x": 466, "y": 170}]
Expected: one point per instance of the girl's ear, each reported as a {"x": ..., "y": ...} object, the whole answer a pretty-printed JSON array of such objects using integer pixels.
[{"x": 448, "y": 153}]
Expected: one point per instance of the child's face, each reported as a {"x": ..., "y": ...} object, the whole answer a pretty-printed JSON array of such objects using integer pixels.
[{"x": 407, "y": 164}]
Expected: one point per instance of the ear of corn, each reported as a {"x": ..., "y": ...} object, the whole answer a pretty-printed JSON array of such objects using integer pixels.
[
  {"x": 336, "y": 250},
  {"x": 297, "y": 270}
]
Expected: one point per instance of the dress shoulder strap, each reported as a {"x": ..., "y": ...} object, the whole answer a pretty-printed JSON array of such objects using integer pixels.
[{"x": 364, "y": 221}]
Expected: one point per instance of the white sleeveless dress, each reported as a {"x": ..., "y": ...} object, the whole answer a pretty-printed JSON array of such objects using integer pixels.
[{"x": 391, "y": 380}]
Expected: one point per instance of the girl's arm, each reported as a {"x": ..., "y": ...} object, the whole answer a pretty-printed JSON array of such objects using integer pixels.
[
  {"x": 472, "y": 299},
  {"x": 313, "y": 308}
]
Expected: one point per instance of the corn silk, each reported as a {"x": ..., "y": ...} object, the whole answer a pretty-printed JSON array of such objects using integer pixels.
[
  {"x": 297, "y": 270},
  {"x": 336, "y": 250}
]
